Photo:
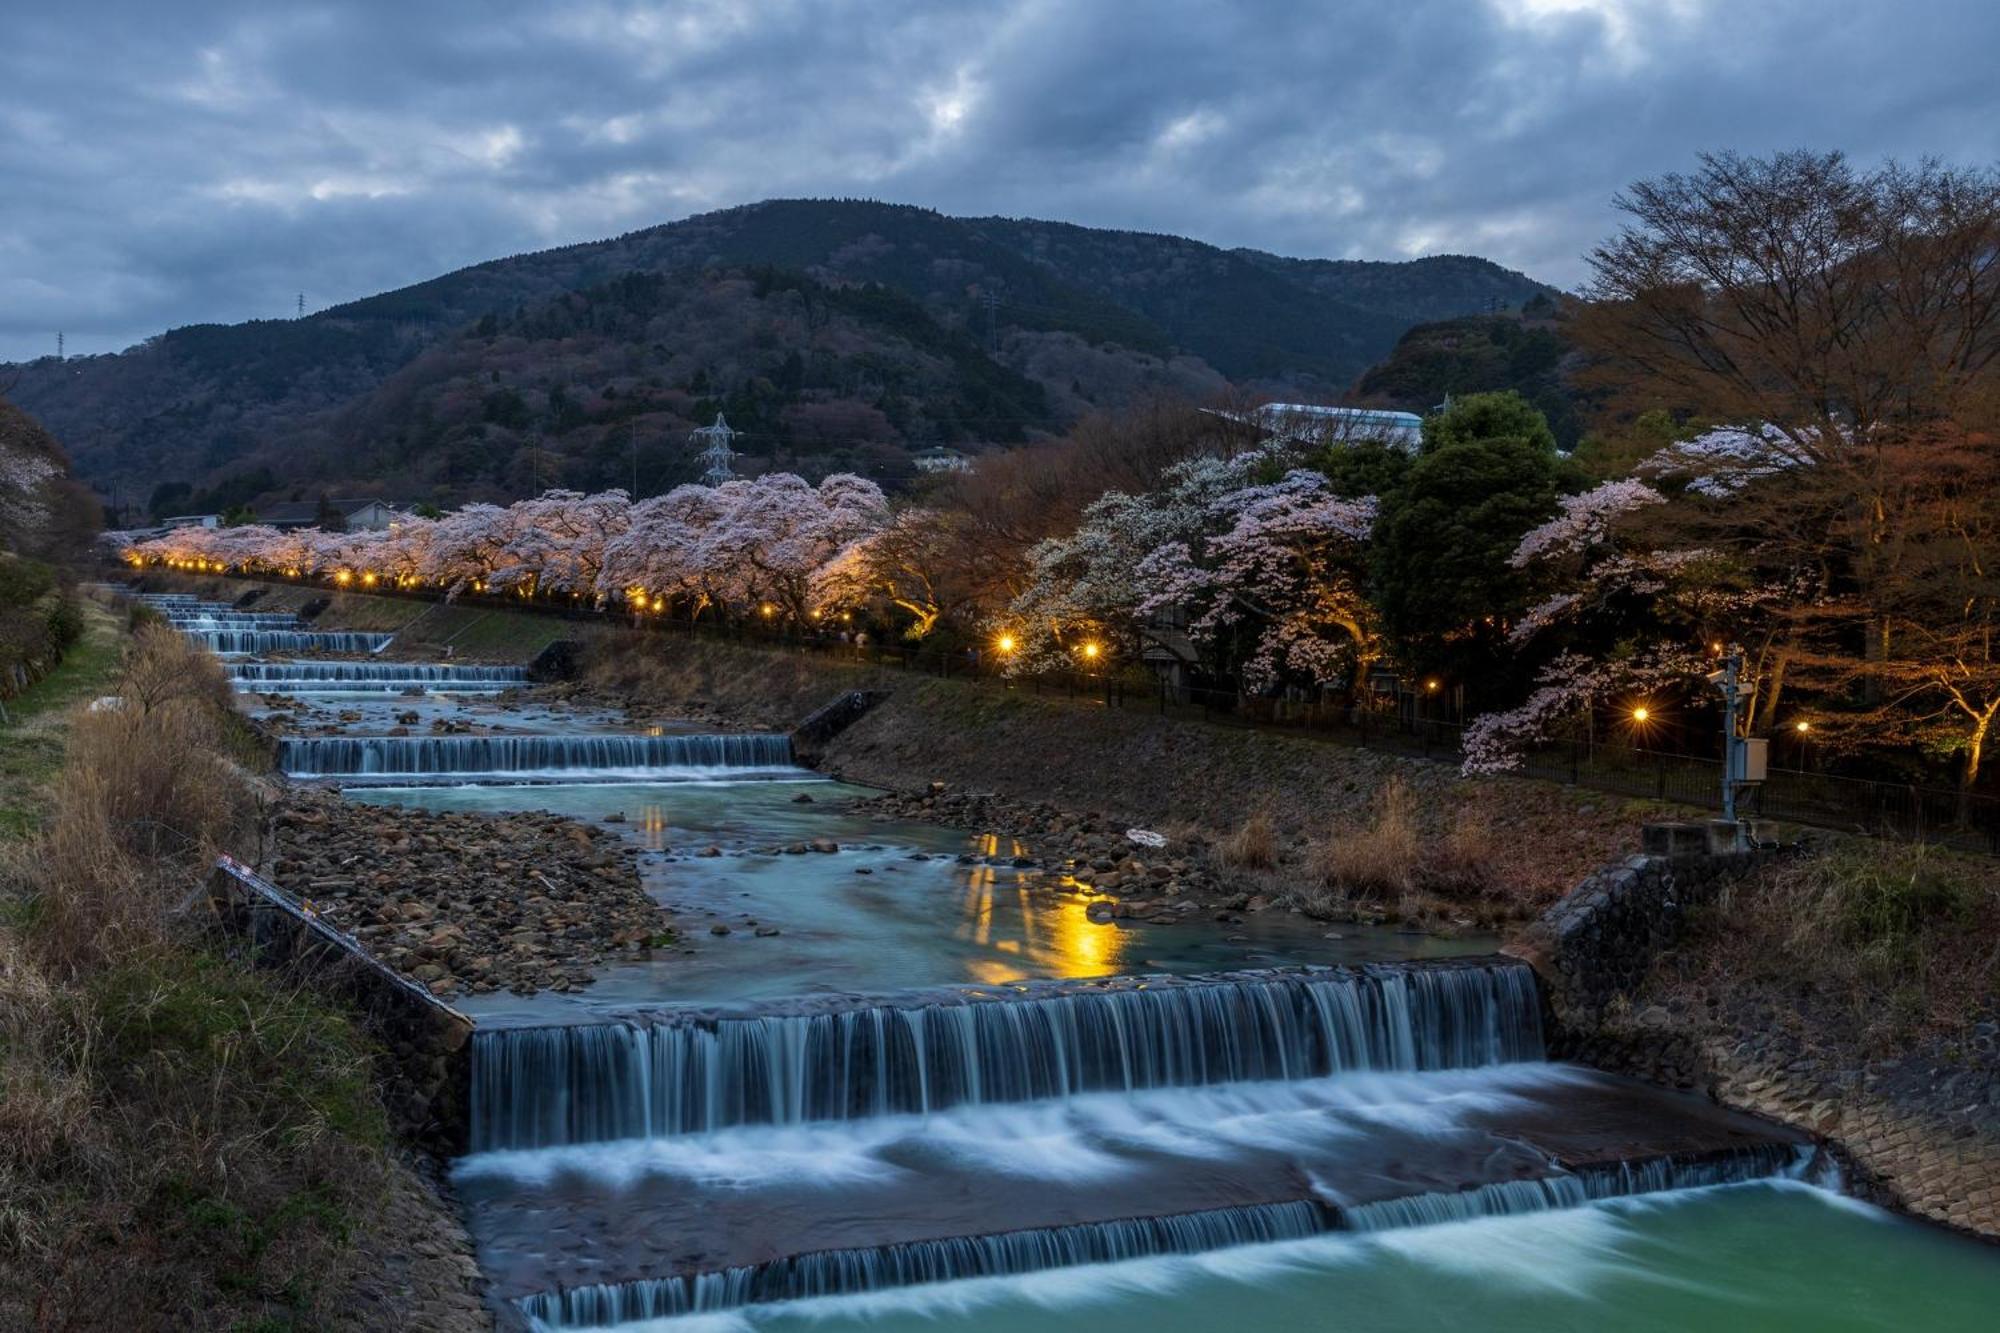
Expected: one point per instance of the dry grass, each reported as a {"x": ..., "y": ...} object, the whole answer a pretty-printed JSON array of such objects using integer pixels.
[
  {"x": 1876, "y": 942},
  {"x": 183, "y": 1138},
  {"x": 1253, "y": 846},
  {"x": 1376, "y": 860}
]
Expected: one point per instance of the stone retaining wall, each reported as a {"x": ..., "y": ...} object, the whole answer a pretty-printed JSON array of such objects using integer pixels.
[
  {"x": 1599, "y": 942},
  {"x": 1920, "y": 1133}
]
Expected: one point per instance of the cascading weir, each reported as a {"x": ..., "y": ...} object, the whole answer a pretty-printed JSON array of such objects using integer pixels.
[
  {"x": 876, "y": 1268},
  {"x": 443, "y": 756},
  {"x": 288, "y": 641},
  {"x": 669, "y": 1074},
  {"x": 859, "y": 1269},
  {"x": 266, "y": 673}
]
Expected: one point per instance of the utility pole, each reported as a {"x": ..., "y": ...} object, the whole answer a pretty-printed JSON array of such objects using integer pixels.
[{"x": 1743, "y": 759}]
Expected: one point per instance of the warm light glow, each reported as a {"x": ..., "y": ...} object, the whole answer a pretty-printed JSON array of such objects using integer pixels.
[
  {"x": 1091, "y": 650},
  {"x": 1431, "y": 685},
  {"x": 343, "y": 578},
  {"x": 1715, "y": 647},
  {"x": 1641, "y": 713},
  {"x": 368, "y": 580},
  {"x": 657, "y": 603},
  {"x": 768, "y": 610},
  {"x": 1005, "y": 643},
  {"x": 1802, "y": 726}
]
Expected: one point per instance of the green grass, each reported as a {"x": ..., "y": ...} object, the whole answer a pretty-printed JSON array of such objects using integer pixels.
[{"x": 31, "y": 741}]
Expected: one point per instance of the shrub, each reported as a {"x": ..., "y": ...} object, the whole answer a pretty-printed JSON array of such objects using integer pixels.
[
  {"x": 1376, "y": 859},
  {"x": 1253, "y": 846}
]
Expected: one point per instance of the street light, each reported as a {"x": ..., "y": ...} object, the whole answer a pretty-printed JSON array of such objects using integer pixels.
[
  {"x": 1090, "y": 651},
  {"x": 1640, "y": 714},
  {"x": 1005, "y": 643}
]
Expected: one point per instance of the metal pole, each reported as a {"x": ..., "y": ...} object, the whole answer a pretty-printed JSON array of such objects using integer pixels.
[{"x": 1729, "y": 667}]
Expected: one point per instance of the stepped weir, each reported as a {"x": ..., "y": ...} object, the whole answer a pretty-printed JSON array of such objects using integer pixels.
[
  {"x": 572, "y": 756},
  {"x": 680, "y": 1159},
  {"x": 668, "y": 1074},
  {"x": 1238, "y": 1108}
]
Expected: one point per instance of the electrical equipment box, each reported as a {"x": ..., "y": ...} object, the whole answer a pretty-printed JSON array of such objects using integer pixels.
[{"x": 1749, "y": 759}]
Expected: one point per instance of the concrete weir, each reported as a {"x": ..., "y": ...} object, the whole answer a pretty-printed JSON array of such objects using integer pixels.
[{"x": 688, "y": 1160}]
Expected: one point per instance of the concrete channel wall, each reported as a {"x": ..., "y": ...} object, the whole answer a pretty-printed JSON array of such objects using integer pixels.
[{"x": 428, "y": 1041}]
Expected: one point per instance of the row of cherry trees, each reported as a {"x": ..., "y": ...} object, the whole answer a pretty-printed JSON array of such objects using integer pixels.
[{"x": 735, "y": 549}]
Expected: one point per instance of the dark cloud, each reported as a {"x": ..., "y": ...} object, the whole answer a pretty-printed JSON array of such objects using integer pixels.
[{"x": 163, "y": 164}]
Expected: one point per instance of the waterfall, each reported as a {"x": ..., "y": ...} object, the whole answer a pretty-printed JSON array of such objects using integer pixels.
[
  {"x": 355, "y": 672},
  {"x": 289, "y": 641},
  {"x": 438, "y": 756},
  {"x": 835, "y": 1272},
  {"x": 544, "y": 1086},
  {"x": 233, "y": 620},
  {"x": 873, "y": 1268},
  {"x": 1609, "y": 1180}
]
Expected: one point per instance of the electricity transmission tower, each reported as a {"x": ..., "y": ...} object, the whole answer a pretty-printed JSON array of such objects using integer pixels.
[
  {"x": 59, "y": 346},
  {"x": 302, "y": 305},
  {"x": 715, "y": 451}
]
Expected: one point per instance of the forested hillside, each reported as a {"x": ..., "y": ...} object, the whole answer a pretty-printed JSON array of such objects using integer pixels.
[
  {"x": 1003, "y": 328},
  {"x": 1482, "y": 354}
]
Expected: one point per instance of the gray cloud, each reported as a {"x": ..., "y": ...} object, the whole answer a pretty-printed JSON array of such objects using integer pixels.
[{"x": 205, "y": 160}]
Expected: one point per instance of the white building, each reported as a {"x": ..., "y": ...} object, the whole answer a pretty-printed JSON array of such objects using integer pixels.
[{"x": 1310, "y": 423}]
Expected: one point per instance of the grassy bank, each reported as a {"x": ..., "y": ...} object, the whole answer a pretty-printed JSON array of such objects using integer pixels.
[
  {"x": 1334, "y": 827},
  {"x": 186, "y": 1140}
]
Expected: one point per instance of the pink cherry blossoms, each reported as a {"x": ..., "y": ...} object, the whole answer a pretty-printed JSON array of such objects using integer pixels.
[{"x": 734, "y": 546}]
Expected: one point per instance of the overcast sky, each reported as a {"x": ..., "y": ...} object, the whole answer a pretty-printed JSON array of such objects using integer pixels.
[{"x": 166, "y": 163}]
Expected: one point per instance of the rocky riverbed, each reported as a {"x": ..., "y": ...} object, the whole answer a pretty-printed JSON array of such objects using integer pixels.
[
  {"x": 1091, "y": 853},
  {"x": 466, "y": 902}
]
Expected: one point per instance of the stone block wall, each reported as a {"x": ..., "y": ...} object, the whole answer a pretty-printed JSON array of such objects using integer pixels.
[
  {"x": 1919, "y": 1133},
  {"x": 1599, "y": 942}
]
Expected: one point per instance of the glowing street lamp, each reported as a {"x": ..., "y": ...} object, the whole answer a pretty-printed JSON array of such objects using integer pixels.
[
  {"x": 1802, "y": 727},
  {"x": 1090, "y": 651},
  {"x": 1005, "y": 643},
  {"x": 1640, "y": 714}
]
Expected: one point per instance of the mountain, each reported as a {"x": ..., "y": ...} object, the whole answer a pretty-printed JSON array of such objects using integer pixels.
[
  {"x": 1524, "y": 352},
  {"x": 947, "y": 330}
]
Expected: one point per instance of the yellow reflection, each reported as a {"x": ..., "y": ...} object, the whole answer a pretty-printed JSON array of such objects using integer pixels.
[
  {"x": 653, "y": 825},
  {"x": 1082, "y": 947}
]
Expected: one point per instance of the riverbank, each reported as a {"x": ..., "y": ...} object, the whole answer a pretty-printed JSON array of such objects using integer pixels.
[
  {"x": 187, "y": 1140},
  {"x": 1852, "y": 991},
  {"x": 1299, "y": 821}
]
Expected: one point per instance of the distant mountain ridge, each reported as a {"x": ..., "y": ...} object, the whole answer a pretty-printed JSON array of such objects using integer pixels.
[{"x": 1049, "y": 319}]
